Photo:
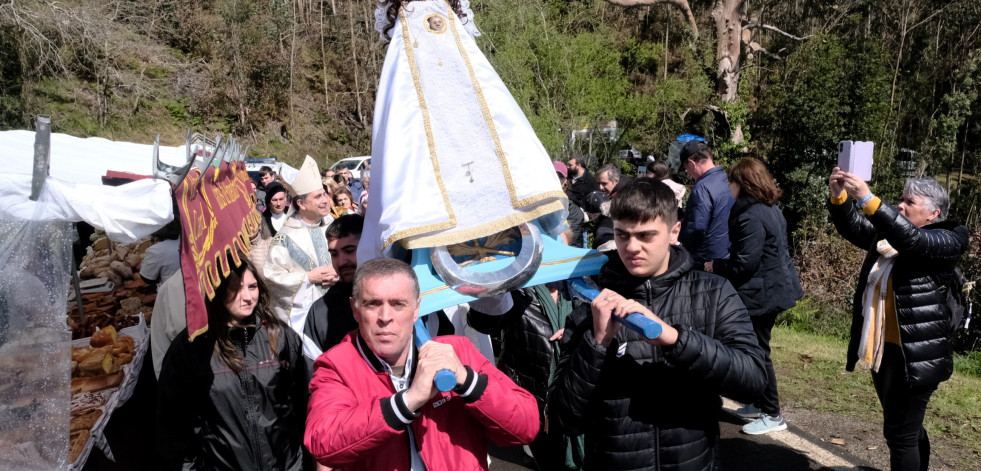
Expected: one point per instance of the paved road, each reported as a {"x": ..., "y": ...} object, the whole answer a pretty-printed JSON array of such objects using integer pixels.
[{"x": 788, "y": 450}]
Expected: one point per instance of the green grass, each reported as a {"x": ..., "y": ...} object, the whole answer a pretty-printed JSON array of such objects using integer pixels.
[
  {"x": 969, "y": 364},
  {"x": 823, "y": 385}
]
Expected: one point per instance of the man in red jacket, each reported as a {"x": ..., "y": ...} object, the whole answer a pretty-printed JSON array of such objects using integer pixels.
[{"x": 373, "y": 404}]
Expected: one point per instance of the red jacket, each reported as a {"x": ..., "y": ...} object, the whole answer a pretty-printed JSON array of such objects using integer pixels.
[{"x": 352, "y": 423}]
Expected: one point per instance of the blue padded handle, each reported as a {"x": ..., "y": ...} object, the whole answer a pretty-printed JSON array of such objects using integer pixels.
[
  {"x": 636, "y": 322},
  {"x": 445, "y": 379}
]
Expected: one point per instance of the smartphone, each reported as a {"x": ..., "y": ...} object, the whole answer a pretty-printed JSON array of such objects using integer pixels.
[{"x": 856, "y": 157}]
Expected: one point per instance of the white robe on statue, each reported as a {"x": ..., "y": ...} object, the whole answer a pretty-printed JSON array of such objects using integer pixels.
[
  {"x": 294, "y": 251},
  {"x": 453, "y": 156}
]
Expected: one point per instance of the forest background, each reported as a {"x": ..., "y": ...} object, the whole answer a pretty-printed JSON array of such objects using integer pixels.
[{"x": 779, "y": 80}]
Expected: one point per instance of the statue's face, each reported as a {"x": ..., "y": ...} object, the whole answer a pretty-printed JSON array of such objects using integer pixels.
[{"x": 436, "y": 23}]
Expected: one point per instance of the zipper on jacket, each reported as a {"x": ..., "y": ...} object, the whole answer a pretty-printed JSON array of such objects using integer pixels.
[
  {"x": 251, "y": 411},
  {"x": 656, "y": 353},
  {"x": 655, "y": 350},
  {"x": 647, "y": 287}
]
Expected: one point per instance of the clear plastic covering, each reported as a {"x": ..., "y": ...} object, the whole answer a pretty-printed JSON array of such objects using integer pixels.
[{"x": 35, "y": 259}]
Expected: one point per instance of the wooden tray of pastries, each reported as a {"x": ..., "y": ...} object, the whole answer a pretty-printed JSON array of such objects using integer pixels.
[{"x": 105, "y": 368}]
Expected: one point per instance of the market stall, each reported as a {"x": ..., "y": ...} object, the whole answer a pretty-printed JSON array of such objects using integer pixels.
[{"x": 57, "y": 395}]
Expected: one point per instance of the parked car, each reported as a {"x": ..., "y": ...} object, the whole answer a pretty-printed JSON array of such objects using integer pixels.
[{"x": 354, "y": 164}]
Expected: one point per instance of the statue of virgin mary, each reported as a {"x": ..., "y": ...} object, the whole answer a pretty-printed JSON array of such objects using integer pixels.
[{"x": 454, "y": 157}]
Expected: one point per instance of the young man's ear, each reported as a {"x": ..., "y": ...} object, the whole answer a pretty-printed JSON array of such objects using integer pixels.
[{"x": 675, "y": 231}]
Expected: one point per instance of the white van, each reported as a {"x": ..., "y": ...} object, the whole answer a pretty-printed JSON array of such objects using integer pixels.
[{"x": 354, "y": 164}]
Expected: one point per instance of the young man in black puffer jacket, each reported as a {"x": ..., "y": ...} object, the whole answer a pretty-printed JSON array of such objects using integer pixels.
[{"x": 654, "y": 404}]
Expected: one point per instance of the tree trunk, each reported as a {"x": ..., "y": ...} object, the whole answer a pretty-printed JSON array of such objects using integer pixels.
[
  {"x": 354, "y": 63},
  {"x": 323, "y": 57},
  {"x": 292, "y": 64},
  {"x": 728, "y": 29}
]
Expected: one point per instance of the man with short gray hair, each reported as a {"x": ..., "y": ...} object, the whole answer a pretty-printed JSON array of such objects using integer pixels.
[
  {"x": 373, "y": 404},
  {"x": 609, "y": 179}
]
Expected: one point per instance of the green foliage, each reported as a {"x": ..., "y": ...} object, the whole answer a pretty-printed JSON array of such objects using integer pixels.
[
  {"x": 11, "y": 82},
  {"x": 826, "y": 93},
  {"x": 968, "y": 364},
  {"x": 568, "y": 70},
  {"x": 813, "y": 316},
  {"x": 178, "y": 111},
  {"x": 725, "y": 151},
  {"x": 643, "y": 56},
  {"x": 806, "y": 113}
]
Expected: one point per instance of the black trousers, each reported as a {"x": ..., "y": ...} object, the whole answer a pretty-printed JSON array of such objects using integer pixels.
[
  {"x": 769, "y": 402},
  {"x": 903, "y": 408}
]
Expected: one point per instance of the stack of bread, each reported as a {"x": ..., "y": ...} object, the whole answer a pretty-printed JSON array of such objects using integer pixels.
[
  {"x": 98, "y": 366},
  {"x": 121, "y": 264},
  {"x": 96, "y": 369}
]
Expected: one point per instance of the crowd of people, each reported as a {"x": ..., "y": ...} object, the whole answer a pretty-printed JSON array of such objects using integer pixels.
[{"x": 310, "y": 359}]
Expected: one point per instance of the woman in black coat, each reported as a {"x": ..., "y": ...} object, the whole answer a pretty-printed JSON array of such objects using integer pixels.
[
  {"x": 236, "y": 397},
  {"x": 760, "y": 268},
  {"x": 901, "y": 319}
]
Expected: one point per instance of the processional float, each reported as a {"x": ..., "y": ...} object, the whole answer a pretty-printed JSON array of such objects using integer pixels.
[{"x": 460, "y": 185}]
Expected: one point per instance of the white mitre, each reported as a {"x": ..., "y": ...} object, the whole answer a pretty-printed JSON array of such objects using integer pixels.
[{"x": 308, "y": 178}]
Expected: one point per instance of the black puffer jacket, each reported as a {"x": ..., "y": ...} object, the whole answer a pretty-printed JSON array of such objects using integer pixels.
[
  {"x": 526, "y": 351},
  {"x": 921, "y": 307},
  {"x": 646, "y": 407},
  {"x": 330, "y": 319},
  {"x": 209, "y": 417},
  {"x": 759, "y": 264}
]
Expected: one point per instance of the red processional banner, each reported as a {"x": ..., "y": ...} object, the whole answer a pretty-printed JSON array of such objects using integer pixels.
[{"x": 218, "y": 215}]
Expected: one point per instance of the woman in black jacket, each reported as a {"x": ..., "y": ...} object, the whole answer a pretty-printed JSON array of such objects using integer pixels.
[
  {"x": 760, "y": 268},
  {"x": 901, "y": 322},
  {"x": 235, "y": 398}
]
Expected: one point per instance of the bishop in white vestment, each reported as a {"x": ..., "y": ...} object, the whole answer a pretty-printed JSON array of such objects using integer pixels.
[{"x": 297, "y": 269}]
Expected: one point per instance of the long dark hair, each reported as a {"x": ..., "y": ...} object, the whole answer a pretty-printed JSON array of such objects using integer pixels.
[
  {"x": 392, "y": 13},
  {"x": 218, "y": 315}
]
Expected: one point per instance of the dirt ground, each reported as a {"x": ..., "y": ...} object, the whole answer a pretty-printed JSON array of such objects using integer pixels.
[{"x": 863, "y": 439}]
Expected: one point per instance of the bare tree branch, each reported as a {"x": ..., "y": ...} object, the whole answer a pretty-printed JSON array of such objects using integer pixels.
[
  {"x": 754, "y": 25},
  {"x": 755, "y": 47},
  {"x": 681, "y": 4}
]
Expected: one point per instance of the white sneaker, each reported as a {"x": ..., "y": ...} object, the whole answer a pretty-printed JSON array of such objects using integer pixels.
[{"x": 765, "y": 424}]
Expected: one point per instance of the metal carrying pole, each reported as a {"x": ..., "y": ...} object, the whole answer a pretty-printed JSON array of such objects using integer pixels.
[
  {"x": 42, "y": 166},
  {"x": 42, "y": 155},
  {"x": 77, "y": 286}
]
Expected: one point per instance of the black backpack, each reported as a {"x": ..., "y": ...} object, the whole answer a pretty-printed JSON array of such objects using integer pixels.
[{"x": 957, "y": 290}]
